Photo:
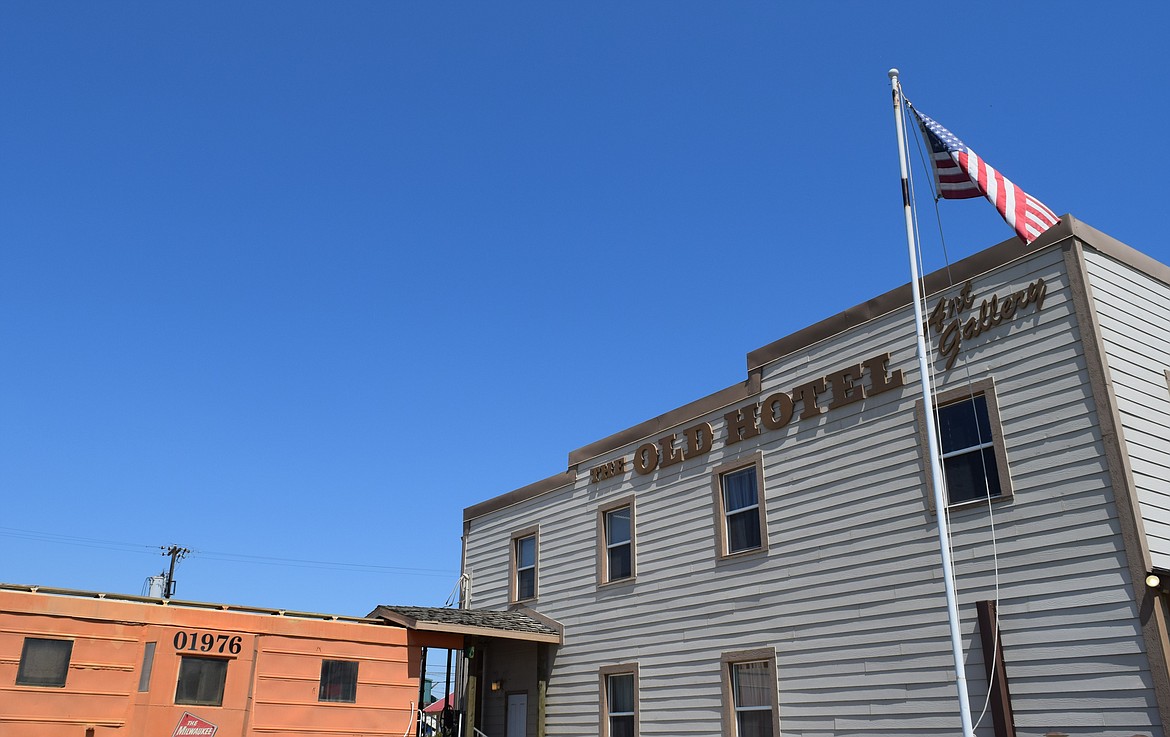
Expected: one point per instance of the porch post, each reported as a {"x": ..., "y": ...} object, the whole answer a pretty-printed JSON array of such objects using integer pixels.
[
  {"x": 471, "y": 696},
  {"x": 541, "y": 686}
]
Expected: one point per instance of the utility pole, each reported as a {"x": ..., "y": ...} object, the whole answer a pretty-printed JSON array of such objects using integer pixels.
[{"x": 176, "y": 554}]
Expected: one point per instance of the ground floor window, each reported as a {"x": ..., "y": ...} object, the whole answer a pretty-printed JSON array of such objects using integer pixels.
[
  {"x": 750, "y": 695},
  {"x": 44, "y": 662},
  {"x": 201, "y": 681},
  {"x": 619, "y": 699}
]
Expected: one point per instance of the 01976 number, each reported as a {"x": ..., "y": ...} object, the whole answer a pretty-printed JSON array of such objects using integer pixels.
[{"x": 206, "y": 642}]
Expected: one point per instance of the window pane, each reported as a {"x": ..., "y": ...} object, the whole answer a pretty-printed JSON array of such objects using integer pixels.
[
  {"x": 526, "y": 584},
  {"x": 617, "y": 526},
  {"x": 526, "y": 552},
  {"x": 739, "y": 490},
  {"x": 338, "y": 681},
  {"x": 44, "y": 662},
  {"x": 620, "y": 563},
  {"x": 753, "y": 688},
  {"x": 621, "y": 693},
  {"x": 972, "y": 475},
  {"x": 964, "y": 424},
  {"x": 622, "y": 726},
  {"x": 147, "y": 667},
  {"x": 754, "y": 723},
  {"x": 201, "y": 681},
  {"x": 743, "y": 531},
  {"x": 752, "y": 684}
]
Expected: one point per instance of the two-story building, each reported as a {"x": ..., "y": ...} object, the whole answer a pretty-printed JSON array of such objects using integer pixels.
[{"x": 765, "y": 561}]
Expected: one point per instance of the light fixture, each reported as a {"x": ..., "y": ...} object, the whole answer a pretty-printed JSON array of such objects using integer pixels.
[
  {"x": 1153, "y": 581},
  {"x": 497, "y": 685}
]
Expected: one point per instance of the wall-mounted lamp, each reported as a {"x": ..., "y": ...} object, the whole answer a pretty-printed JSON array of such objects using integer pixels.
[
  {"x": 1153, "y": 581},
  {"x": 497, "y": 685}
]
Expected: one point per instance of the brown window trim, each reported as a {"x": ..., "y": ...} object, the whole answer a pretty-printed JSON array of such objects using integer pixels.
[
  {"x": 602, "y": 675},
  {"x": 986, "y": 387},
  {"x": 513, "y": 592},
  {"x": 726, "y": 660},
  {"x": 755, "y": 459},
  {"x": 603, "y": 542}
]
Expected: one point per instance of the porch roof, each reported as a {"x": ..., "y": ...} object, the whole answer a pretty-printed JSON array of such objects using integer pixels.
[{"x": 513, "y": 624}]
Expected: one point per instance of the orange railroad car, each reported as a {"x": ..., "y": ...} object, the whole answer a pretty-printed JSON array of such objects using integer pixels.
[{"x": 76, "y": 664}]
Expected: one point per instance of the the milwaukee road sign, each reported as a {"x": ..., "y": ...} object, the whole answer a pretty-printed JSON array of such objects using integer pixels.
[{"x": 192, "y": 726}]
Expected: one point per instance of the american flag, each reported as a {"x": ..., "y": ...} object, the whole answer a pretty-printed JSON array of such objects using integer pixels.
[{"x": 960, "y": 174}]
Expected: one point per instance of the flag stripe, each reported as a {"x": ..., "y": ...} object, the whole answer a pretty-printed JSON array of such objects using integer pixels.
[{"x": 961, "y": 174}]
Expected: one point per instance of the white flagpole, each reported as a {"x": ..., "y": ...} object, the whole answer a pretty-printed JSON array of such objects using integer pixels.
[{"x": 936, "y": 474}]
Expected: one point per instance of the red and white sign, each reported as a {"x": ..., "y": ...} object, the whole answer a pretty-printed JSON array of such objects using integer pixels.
[{"x": 192, "y": 726}]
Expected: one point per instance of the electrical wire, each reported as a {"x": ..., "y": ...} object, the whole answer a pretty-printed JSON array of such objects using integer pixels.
[{"x": 226, "y": 557}]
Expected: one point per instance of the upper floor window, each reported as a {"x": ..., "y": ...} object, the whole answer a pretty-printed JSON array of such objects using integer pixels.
[
  {"x": 751, "y": 707},
  {"x": 972, "y": 453},
  {"x": 617, "y": 541},
  {"x": 968, "y": 453},
  {"x": 740, "y": 503},
  {"x": 524, "y": 565},
  {"x": 619, "y": 694},
  {"x": 201, "y": 681},
  {"x": 44, "y": 662},
  {"x": 338, "y": 681}
]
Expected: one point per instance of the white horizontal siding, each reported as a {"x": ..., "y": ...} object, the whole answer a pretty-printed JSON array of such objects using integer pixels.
[
  {"x": 849, "y": 593},
  {"x": 1133, "y": 311}
]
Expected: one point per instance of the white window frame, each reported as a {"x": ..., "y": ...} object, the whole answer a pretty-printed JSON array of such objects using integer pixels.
[
  {"x": 731, "y": 710},
  {"x": 605, "y": 673},
  {"x": 517, "y": 537},
  {"x": 604, "y": 546},
  {"x": 722, "y": 517},
  {"x": 986, "y": 388}
]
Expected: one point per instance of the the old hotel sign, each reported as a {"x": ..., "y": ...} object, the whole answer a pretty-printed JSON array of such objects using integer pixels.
[{"x": 844, "y": 386}]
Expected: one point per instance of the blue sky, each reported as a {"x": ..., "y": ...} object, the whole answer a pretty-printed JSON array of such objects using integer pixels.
[{"x": 291, "y": 284}]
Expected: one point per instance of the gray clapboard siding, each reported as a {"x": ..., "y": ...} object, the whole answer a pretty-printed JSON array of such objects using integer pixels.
[
  {"x": 1133, "y": 311},
  {"x": 849, "y": 592}
]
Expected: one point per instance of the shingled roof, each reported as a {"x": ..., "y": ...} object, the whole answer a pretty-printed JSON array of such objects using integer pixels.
[{"x": 514, "y": 624}]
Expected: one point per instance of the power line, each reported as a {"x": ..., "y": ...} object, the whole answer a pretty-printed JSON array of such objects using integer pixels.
[
  {"x": 85, "y": 542},
  {"x": 226, "y": 557}
]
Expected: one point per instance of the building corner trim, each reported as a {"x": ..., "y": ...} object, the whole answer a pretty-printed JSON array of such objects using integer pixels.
[{"x": 1125, "y": 498}]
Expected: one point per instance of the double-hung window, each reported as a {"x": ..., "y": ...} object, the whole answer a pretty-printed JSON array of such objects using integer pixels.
[
  {"x": 740, "y": 504},
  {"x": 619, "y": 696},
  {"x": 616, "y": 541},
  {"x": 751, "y": 687},
  {"x": 750, "y": 695},
  {"x": 524, "y": 565},
  {"x": 971, "y": 446},
  {"x": 968, "y": 453}
]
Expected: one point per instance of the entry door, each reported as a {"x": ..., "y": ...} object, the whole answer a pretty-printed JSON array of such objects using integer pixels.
[{"x": 517, "y": 714}]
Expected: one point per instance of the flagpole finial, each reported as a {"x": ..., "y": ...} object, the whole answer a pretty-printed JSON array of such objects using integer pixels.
[{"x": 893, "y": 72}]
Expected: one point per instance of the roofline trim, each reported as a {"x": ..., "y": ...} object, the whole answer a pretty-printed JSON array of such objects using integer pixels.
[{"x": 974, "y": 265}]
